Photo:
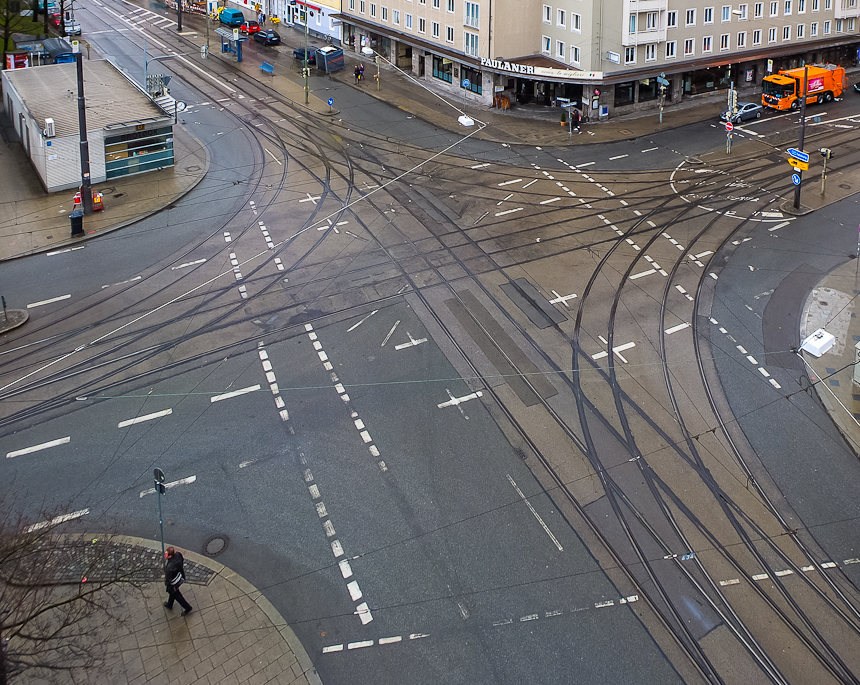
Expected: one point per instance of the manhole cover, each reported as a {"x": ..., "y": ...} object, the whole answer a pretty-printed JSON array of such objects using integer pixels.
[
  {"x": 215, "y": 545},
  {"x": 192, "y": 168},
  {"x": 625, "y": 131},
  {"x": 844, "y": 186}
]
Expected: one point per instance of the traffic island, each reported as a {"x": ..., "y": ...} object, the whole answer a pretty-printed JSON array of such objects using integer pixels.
[{"x": 12, "y": 318}]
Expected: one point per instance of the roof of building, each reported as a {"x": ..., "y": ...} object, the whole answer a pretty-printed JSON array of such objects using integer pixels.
[{"x": 111, "y": 99}]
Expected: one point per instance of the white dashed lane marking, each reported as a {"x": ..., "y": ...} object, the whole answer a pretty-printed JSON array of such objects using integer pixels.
[
  {"x": 38, "y": 448},
  {"x": 147, "y": 417}
]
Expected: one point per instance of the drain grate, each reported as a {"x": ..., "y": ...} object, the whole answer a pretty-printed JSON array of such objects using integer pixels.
[{"x": 215, "y": 545}]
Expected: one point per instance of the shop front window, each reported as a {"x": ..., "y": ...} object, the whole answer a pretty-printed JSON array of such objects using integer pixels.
[
  {"x": 443, "y": 68},
  {"x": 624, "y": 93},
  {"x": 648, "y": 89},
  {"x": 474, "y": 78},
  {"x": 134, "y": 153}
]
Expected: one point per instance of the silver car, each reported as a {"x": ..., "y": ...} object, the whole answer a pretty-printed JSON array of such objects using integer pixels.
[{"x": 746, "y": 110}]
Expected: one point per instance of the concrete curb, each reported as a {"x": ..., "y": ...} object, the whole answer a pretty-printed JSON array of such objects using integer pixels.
[
  {"x": 279, "y": 623},
  {"x": 129, "y": 222}
]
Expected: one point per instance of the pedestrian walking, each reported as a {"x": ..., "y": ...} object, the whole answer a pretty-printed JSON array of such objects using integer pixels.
[
  {"x": 360, "y": 72},
  {"x": 357, "y": 73},
  {"x": 174, "y": 576},
  {"x": 574, "y": 120}
]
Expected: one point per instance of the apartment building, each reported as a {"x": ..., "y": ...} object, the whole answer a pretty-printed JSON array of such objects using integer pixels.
[{"x": 604, "y": 55}]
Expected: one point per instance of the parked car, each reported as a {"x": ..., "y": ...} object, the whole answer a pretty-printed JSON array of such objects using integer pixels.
[
  {"x": 73, "y": 28},
  {"x": 746, "y": 110},
  {"x": 249, "y": 26},
  {"x": 55, "y": 18},
  {"x": 299, "y": 53},
  {"x": 267, "y": 37}
]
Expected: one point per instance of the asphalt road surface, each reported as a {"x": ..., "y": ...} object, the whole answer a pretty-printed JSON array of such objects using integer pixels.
[{"x": 522, "y": 408}]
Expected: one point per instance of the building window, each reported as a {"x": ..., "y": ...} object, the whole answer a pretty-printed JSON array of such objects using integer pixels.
[
  {"x": 670, "y": 49},
  {"x": 827, "y": 4},
  {"x": 758, "y": 11},
  {"x": 742, "y": 39},
  {"x": 443, "y": 68},
  {"x": 384, "y": 13},
  {"x": 707, "y": 43},
  {"x": 708, "y": 15},
  {"x": 409, "y": 21},
  {"x": 688, "y": 47},
  {"x": 801, "y": 6},
  {"x": 574, "y": 56},
  {"x": 560, "y": 51},
  {"x": 352, "y": 5},
  {"x": 450, "y": 6},
  {"x": 774, "y": 8},
  {"x": 470, "y": 42},
  {"x": 786, "y": 9},
  {"x": 757, "y": 37},
  {"x": 449, "y": 34},
  {"x": 473, "y": 76},
  {"x": 372, "y": 9},
  {"x": 813, "y": 29},
  {"x": 650, "y": 52},
  {"x": 396, "y": 17},
  {"x": 826, "y": 27},
  {"x": 422, "y": 2},
  {"x": 742, "y": 12},
  {"x": 561, "y": 18},
  {"x": 576, "y": 23},
  {"x": 800, "y": 30},
  {"x": 838, "y": 26},
  {"x": 422, "y": 25},
  {"x": 436, "y": 4},
  {"x": 361, "y": 6},
  {"x": 629, "y": 55},
  {"x": 547, "y": 14},
  {"x": 727, "y": 13},
  {"x": 771, "y": 35},
  {"x": 651, "y": 21},
  {"x": 786, "y": 33},
  {"x": 691, "y": 18},
  {"x": 631, "y": 26},
  {"x": 435, "y": 29},
  {"x": 472, "y": 16},
  {"x": 850, "y": 25},
  {"x": 814, "y": 5},
  {"x": 547, "y": 45},
  {"x": 671, "y": 20},
  {"x": 724, "y": 41}
]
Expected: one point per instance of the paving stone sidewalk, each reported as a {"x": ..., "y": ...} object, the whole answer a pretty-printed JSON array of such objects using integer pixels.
[{"x": 234, "y": 636}]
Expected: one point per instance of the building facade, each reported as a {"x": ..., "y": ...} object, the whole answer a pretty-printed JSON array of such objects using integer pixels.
[{"x": 604, "y": 55}]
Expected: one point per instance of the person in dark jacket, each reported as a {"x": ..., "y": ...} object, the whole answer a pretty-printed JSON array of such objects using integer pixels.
[{"x": 174, "y": 576}]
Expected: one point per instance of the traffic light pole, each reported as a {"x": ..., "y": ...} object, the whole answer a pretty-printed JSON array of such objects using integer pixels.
[
  {"x": 802, "y": 135},
  {"x": 305, "y": 70}
]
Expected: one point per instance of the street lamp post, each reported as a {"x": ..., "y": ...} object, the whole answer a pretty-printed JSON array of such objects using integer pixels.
[
  {"x": 306, "y": 71},
  {"x": 86, "y": 188}
]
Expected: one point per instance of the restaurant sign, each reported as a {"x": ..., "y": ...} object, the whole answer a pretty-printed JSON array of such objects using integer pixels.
[{"x": 529, "y": 70}]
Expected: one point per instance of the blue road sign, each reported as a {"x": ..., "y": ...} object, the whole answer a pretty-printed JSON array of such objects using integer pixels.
[
  {"x": 466, "y": 83},
  {"x": 795, "y": 179},
  {"x": 798, "y": 154},
  {"x": 330, "y": 102}
]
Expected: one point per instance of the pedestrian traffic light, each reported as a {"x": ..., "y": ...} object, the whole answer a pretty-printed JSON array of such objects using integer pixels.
[{"x": 826, "y": 152}]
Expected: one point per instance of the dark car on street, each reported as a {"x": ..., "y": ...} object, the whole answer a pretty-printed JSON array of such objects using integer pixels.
[
  {"x": 746, "y": 110},
  {"x": 299, "y": 53},
  {"x": 267, "y": 37},
  {"x": 857, "y": 87}
]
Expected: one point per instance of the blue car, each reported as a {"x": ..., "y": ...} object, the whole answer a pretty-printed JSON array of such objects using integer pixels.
[{"x": 299, "y": 53}]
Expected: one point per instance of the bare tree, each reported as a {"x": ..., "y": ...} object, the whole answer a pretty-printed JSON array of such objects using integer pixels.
[{"x": 59, "y": 594}]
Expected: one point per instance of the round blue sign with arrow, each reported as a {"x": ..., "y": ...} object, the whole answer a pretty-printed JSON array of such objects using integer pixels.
[
  {"x": 795, "y": 179},
  {"x": 330, "y": 102},
  {"x": 466, "y": 83}
]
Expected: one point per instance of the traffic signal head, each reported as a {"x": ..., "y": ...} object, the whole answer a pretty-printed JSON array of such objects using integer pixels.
[{"x": 826, "y": 152}]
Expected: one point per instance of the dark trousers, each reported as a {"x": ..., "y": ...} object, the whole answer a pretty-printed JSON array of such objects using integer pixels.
[{"x": 173, "y": 593}]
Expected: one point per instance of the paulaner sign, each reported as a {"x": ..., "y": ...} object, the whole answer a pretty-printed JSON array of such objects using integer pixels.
[{"x": 569, "y": 74}]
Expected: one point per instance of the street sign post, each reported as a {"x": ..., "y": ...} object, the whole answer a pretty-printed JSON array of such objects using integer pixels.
[
  {"x": 797, "y": 164},
  {"x": 330, "y": 103},
  {"x": 158, "y": 475},
  {"x": 795, "y": 179},
  {"x": 729, "y": 126}
]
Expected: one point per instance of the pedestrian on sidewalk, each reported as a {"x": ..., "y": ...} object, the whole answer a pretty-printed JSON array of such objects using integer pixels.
[
  {"x": 361, "y": 72},
  {"x": 357, "y": 73},
  {"x": 574, "y": 120},
  {"x": 174, "y": 576}
]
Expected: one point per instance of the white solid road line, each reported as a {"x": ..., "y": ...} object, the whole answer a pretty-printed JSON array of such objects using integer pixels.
[
  {"x": 509, "y": 211},
  {"x": 454, "y": 401},
  {"x": 618, "y": 157},
  {"x": 141, "y": 419},
  {"x": 53, "y": 299},
  {"x": 546, "y": 202},
  {"x": 68, "y": 249},
  {"x": 507, "y": 183},
  {"x": 182, "y": 266},
  {"x": 579, "y": 166},
  {"x": 536, "y": 515},
  {"x": 352, "y": 328},
  {"x": 675, "y": 329},
  {"x": 182, "y": 481},
  {"x": 57, "y": 520},
  {"x": 235, "y": 393},
  {"x": 37, "y": 448}
]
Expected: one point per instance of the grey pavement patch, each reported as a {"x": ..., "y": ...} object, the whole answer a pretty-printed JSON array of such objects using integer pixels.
[{"x": 782, "y": 317}]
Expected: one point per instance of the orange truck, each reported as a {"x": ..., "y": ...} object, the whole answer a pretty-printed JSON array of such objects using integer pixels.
[{"x": 785, "y": 89}]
